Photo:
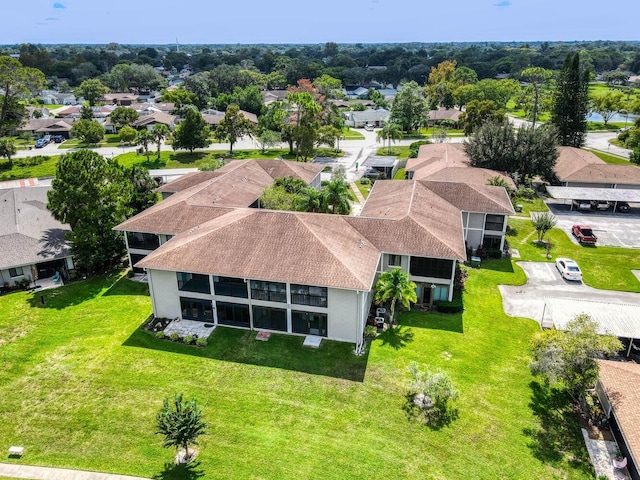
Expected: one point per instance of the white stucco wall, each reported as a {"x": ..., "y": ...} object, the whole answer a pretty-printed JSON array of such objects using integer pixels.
[
  {"x": 343, "y": 314},
  {"x": 163, "y": 287}
]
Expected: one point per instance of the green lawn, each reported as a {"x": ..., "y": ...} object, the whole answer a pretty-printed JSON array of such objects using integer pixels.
[
  {"x": 364, "y": 188},
  {"x": 349, "y": 134},
  {"x": 608, "y": 268},
  {"x": 608, "y": 158},
  {"x": 22, "y": 169},
  {"x": 535, "y": 204},
  {"x": 109, "y": 140},
  {"x": 400, "y": 174},
  {"x": 80, "y": 386},
  {"x": 396, "y": 151}
]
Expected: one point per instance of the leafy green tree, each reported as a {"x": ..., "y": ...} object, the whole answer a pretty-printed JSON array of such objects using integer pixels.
[
  {"x": 336, "y": 196},
  {"x": 233, "y": 126},
  {"x": 310, "y": 200},
  {"x": 543, "y": 222},
  {"x": 144, "y": 138},
  {"x": 267, "y": 139},
  {"x": 179, "y": 97},
  {"x": 327, "y": 135},
  {"x": 86, "y": 112},
  {"x": 128, "y": 134},
  {"x": 92, "y": 90},
  {"x": 328, "y": 86},
  {"x": 143, "y": 195},
  {"x": 88, "y": 131},
  {"x": 634, "y": 156},
  {"x": 124, "y": 77},
  {"x": 394, "y": 286},
  {"x": 615, "y": 77},
  {"x": 122, "y": 116},
  {"x": 389, "y": 132},
  {"x": 304, "y": 121},
  {"x": 276, "y": 197},
  {"x": 571, "y": 103},
  {"x": 479, "y": 113},
  {"x": 567, "y": 359},
  {"x": 530, "y": 151},
  {"x": 181, "y": 423},
  {"x": 433, "y": 393},
  {"x": 8, "y": 149},
  {"x": 409, "y": 107},
  {"x": 192, "y": 132},
  {"x": 608, "y": 104},
  {"x": 537, "y": 77},
  {"x": 159, "y": 132},
  {"x": 91, "y": 194},
  {"x": 16, "y": 81}
]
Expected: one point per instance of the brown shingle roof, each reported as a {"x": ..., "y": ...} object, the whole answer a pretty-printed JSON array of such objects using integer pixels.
[
  {"x": 576, "y": 165},
  {"x": 304, "y": 248},
  {"x": 188, "y": 181},
  {"x": 621, "y": 382},
  {"x": 449, "y": 162},
  {"x": 445, "y": 114},
  {"x": 155, "y": 117}
]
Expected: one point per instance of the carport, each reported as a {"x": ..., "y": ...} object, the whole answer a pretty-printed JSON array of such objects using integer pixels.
[
  {"x": 380, "y": 163},
  {"x": 619, "y": 319},
  {"x": 590, "y": 193}
]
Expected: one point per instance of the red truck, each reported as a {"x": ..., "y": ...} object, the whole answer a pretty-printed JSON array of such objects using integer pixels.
[{"x": 584, "y": 234}]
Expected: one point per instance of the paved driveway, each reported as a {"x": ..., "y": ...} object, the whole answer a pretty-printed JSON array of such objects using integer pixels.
[
  {"x": 612, "y": 229},
  {"x": 544, "y": 281}
]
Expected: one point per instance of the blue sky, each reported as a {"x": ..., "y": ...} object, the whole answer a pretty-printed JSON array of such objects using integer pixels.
[{"x": 341, "y": 21}]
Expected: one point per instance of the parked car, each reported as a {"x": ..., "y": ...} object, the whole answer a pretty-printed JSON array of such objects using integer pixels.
[
  {"x": 600, "y": 205},
  {"x": 568, "y": 269},
  {"x": 623, "y": 207},
  {"x": 44, "y": 141},
  {"x": 581, "y": 205},
  {"x": 372, "y": 173},
  {"x": 584, "y": 234},
  {"x": 368, "y": 127},
  {"x": 58, "y": 138}
]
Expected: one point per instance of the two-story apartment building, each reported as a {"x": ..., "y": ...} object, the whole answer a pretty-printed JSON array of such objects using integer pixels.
[{"x": 305, "y": 273}]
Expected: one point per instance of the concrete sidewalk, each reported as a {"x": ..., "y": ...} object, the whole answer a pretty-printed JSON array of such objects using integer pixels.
[{"x": 46, "y": 473}]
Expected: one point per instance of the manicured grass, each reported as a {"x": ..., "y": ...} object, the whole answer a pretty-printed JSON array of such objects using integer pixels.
[
  {"x": 610, "y": 159},
  {"x": 431, "y": 131},
  {"x": 395, "y": 151},
  {"x": 349, "y": 134},
  {"x": 601, "y": 127},
  {"x": 535, "y": 204},
  {"x": 52, "y": 107},
  {"x": 109, "y": 140},
  {"x": 46, "y": 169},
  {"x": 80, "y": 386},
  {"x": 364, "y": 188},
  {"x": 399, "y": 174},
  {"x": 608, "y": 268}
]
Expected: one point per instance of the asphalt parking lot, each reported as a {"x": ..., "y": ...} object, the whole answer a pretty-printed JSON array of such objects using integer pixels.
[
  {"x": 612, "y": 229},
  {"x": 544, "y": 281}
]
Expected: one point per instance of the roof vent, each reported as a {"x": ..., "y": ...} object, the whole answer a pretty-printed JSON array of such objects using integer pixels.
[{"x": 361, "y": 244}]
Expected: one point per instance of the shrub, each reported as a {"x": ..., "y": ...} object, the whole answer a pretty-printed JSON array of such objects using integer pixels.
[
  {"x": 131, "y": 274},
  {"x": 415, "y": 147},
  {"x": 188, "y": 339},
  {"x": 174, "y": 337},
  {"x": 433, "y": 393},
  {"x": 454, "y": 306},
  {"x": 370, "y": 331},
  {"x": 494, "y": 253},
  {"x": 30, "y": 161},
  {"x": 460, "y": 278},
  {"x": 160, "y": 335},
  {"x": 525, "y": 192},
  {"x": 201, "y": 342},
  {"x": 364, "y": 181}
]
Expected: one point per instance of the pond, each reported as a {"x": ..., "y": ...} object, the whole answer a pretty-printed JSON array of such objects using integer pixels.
[{"x": 630, "y": 118}]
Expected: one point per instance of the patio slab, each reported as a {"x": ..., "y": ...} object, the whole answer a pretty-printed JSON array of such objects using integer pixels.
[
  {"x": 601, "y": 454},
  {"x": 312, "y": 341},
  {"x": 190, "y": 327}
]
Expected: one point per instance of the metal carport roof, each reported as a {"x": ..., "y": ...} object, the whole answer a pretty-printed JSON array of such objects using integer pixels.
[
  {"x": 621, "y": 320},
  {"x": 585, "y": 193}
]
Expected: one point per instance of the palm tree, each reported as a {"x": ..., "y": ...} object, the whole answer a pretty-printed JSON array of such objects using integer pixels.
[
  {"x": 336, "y": 196},
  {"x": 393, "y": 286},
  {"x": 310, "y": 201},
  {"x": 143, "y": 139},
  {"x": 159, "y": 132},
  {"x": 391, "y": 132}
]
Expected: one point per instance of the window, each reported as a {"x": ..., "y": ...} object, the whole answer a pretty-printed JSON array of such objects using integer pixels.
[
  {"x": 309, "y": 323},
  {"x": 394, "y": 261},
  {"x": 309, "y": 295},
  {"x": 440, "y": 293},
  {"x": 431, "y": 267},
  {"x": 15, "y": 272},
  {"x": 193, "y": 282},
  {"x": 490, "y": 242},
  {"x": 269, "y": 291},
  {"x": 135, "y": 258},
  {"x": 494, "y": 223},
  {"x": 230, "y": 287},
  {"x": 144, "y": 241},
  {"x": 196, "y": 309},
  {"x": 270, "y": 318},
  {"x": 233, "y": 314}
]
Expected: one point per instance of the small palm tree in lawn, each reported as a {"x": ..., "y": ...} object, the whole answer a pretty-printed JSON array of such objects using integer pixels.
[
  {"x": 393, "y": 286},
  {"x": 143, "y": 139},
  {"x": 180, "y": 421},
  {"x": 159, "y": 132},
  {"x": 390, "y": 132}
]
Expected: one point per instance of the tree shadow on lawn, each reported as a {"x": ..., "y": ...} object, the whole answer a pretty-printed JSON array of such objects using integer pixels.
[
  {"x": 449, "y": 322},
  {"x": 332, "y": 359},
  {"x": 77, "y": 292},
  {"x": 396, "y": 337},
  {"x": 436, "y": 419},
  {"x": 171, "y": 471},
  {"x": 559, "y": 435}
]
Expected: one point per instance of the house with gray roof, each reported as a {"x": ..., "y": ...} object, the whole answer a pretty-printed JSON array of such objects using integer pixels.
[
  {"x": 358, "y": 119},
  {"x": 32, "y": 242},
  {"x": 212, "y": 255}
]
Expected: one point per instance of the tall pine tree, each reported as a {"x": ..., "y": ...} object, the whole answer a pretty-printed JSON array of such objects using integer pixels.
[{"x": 571, "y": 103}]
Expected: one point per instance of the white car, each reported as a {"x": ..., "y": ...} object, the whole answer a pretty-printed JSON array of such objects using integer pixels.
[{"x": 568, "y": 269}]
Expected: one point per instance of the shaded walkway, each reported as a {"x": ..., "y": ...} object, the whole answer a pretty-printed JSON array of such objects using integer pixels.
[{"x": 46, "y": 473}]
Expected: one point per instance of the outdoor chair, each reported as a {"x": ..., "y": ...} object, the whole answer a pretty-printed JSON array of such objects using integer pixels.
[{"x": 56, "y": 277}]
